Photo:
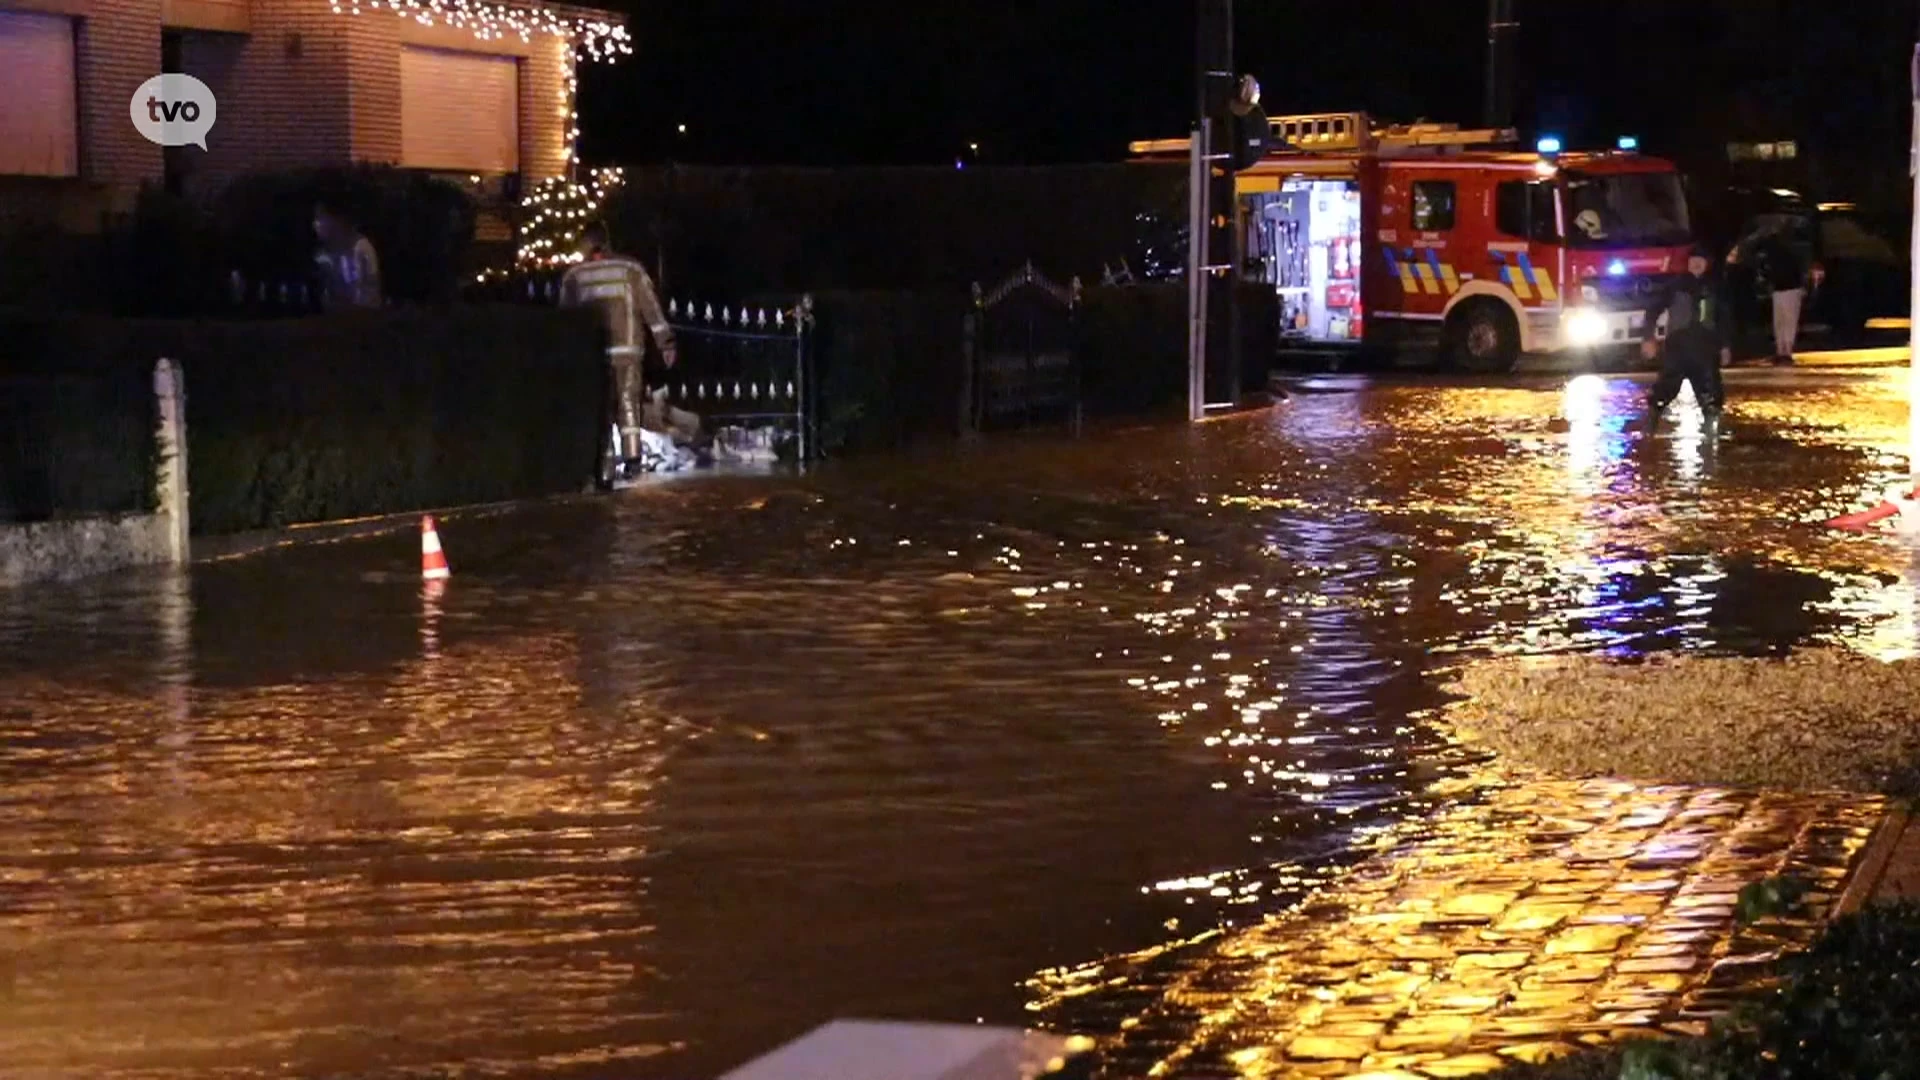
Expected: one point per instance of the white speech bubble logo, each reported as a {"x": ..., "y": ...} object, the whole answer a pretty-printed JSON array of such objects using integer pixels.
[{"x": 173, "y": 110}]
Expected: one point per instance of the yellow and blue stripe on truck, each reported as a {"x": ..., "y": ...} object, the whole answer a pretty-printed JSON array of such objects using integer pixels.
[
  {"x": 1524, "y": 278},
  {"x": 1417, "y": 275}
]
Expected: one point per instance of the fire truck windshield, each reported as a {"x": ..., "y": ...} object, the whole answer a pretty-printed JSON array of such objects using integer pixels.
[{"x": 1626, "y": 210}]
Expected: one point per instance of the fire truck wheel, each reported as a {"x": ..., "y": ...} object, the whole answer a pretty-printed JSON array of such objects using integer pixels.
[{"x": 1482, "y": 337}]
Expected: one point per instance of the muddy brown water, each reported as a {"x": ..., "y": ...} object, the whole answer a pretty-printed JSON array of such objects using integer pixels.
[{"x": 660, "y": 781}]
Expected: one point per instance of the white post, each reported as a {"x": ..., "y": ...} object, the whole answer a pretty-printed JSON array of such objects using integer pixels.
[{"x": 170, "y": 399}]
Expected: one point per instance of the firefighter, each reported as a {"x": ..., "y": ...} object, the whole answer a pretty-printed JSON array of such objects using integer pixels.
[
  {"x": 624, "y": 291},
  {"x": 1698, "y": 340}
]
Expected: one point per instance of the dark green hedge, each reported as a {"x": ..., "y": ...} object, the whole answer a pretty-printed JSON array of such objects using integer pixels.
[
  {"x": 422, "y": 228},
  {"x": 1848, "y": 1007},
  {"x": 316, "y": 419},
  {"x": 172, "y": 258},
  {"x": 889, "y": 364},
  {"x": 76, "y": 445}
]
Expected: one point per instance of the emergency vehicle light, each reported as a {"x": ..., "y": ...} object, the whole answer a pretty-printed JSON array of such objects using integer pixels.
[
  {"x": 1548, "y": 145},
  {"x": 1617, "y": 268},
  {"x": 1628, "y": 142}
]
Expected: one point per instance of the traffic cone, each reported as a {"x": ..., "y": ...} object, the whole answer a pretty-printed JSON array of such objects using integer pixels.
[
  {"x": 1864, "y": 518},
  {"x": 433, "y": 561},
  {"x": 1890, "y": 505}
]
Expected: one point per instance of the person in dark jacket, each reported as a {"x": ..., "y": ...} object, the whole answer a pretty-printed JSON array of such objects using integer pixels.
[
  {"x": 1698, "y": 341},
  {"x": 1785, "y": 273}
]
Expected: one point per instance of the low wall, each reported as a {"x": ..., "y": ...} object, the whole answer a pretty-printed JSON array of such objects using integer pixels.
[{"x": 64, "y": 550}]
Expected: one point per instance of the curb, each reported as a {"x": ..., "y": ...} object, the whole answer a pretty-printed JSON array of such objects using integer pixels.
[
  {"x": 211, "y": 549},
  {"x": 1893, "y": 836}
]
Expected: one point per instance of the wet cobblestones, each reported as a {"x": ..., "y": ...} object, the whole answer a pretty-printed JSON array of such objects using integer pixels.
[{"x": 1555, "y": 914}]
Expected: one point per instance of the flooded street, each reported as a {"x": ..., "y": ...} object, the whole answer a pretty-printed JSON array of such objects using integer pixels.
[{"x": 1138, "y": 736}]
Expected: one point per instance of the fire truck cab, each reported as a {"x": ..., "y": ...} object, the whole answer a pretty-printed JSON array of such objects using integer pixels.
[{"x": 1390, "y": 237}]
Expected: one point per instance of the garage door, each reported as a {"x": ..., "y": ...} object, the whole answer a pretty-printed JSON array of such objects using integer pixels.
[
  {"x": 459, "y": 111},
  {"x": 38, "y": 132}
]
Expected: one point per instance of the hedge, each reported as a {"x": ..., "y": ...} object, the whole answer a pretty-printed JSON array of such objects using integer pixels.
[
  {"x": 76, "y": 445},
  {"x": 889, "y": 364},
  {"x": 174, "y": 258},
  {"x": 363, "y": 413},
  {"x": 1845, "y": 1008}
]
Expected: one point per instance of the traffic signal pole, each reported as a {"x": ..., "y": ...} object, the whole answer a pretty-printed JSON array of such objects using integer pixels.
[
  {"x": 1197, "y": 273},
  {"x": 1209, "y": 250}
]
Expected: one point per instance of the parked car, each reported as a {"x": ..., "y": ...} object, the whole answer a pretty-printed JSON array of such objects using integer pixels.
[{"x": 1862, "y": 263}]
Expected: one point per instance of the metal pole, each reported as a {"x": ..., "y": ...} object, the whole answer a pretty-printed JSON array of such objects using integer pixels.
[
  {"x": 1213, "y": 86},
  {"x": 1205, "y": 286},
  {"x": 1229, "y": 380},
  {"x": 1501, "y": 29},
  {"x": 1196, "y": 270}
]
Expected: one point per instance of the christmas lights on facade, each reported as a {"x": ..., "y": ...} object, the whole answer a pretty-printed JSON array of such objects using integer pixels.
[{"x": 559, "y": 206}]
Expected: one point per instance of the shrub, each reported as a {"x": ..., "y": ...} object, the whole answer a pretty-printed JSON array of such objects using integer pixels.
[
  {"x": 420, "y": 227},
  {"x": 76, "y": 421},
  {"x": 1844, "y": 1008},
  {"x": 889, "y": 365},
  {"x": 370, "y": 412}
]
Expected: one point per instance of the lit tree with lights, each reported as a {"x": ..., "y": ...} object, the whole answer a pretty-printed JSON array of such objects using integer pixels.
[{"x": 557, "y": 210}]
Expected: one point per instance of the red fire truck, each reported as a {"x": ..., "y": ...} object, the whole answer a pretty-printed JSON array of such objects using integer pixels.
[{"x": 1394, "y": 236}]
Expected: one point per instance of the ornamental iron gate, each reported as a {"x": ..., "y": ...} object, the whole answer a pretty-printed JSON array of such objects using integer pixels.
[{"x": 1022, "y": 354}]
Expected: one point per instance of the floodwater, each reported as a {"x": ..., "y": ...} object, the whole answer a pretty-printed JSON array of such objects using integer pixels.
[{"x": 1121, "y": 736}]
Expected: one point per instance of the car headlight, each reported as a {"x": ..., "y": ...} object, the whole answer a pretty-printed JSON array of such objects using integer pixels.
[{"x": 1585, "y": 327}]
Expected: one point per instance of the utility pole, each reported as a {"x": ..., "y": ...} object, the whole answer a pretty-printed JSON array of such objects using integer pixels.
[
  {"x": 1209, "y": 250},
  {"x": 1502, "y": 29}
]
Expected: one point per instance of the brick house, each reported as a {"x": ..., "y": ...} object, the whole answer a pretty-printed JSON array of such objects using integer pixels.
[{"x": 299, "y": 83}]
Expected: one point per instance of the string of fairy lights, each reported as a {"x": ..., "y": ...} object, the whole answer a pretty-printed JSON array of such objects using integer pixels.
[
  {"x": 598, "y": 39},
  {"x": 558, "y": 207}
]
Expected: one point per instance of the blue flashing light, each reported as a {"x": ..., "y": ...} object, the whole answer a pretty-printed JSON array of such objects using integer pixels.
[
  {"x": 1548, "y": 145},
  {"x": 1628, "y": 142},
  {"x": 1616, "y": 268}
]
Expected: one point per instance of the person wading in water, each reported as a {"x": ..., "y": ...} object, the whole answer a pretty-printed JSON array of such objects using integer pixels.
[
  {"x": 625, "y": 294},
  {"x": 1698, "y": 343}
]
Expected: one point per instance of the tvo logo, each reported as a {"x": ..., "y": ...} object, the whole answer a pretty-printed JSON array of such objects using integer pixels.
[{"x": 173, "y": 110}]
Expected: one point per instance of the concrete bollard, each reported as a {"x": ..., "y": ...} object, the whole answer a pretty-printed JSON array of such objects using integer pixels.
[{"x": 170, "y": 443}]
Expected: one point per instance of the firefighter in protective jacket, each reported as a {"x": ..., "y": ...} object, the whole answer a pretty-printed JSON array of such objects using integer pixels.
[
  {"x": 1698, "y": 342},
  {"x": 624, "y": 292}
]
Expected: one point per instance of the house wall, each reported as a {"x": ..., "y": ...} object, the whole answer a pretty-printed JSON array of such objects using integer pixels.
[
  {"x": 374, "y": 49},
  {"x": 283, "y": 91},
  {"x": 118, "y": 48},
  {"x": 306, "y": 87}
]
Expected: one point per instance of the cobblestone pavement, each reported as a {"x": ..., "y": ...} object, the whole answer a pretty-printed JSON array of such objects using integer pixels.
[{"x": 1552, "y": 914}]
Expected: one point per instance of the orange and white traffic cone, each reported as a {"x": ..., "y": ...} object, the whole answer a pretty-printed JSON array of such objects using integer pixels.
[
  {"x": 1863, "y": 518},
  {"x": 433, "y": 561},
  {"x": 1895, "y": 503}
]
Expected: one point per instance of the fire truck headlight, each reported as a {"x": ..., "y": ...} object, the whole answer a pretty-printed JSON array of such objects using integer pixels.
[{"x": 1585, "y": 328}]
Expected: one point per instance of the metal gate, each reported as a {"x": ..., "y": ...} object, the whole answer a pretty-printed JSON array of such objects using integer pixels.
[
  {"x": 747, "y": 373},
  {"x": 1022, "y": 354}
]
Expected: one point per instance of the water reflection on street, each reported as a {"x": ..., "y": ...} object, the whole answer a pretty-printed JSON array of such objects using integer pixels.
[{"x": 1136, "y": 736}]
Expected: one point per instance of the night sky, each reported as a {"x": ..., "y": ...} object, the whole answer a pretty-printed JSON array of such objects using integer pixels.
[{"x": 854, "y": 81}]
